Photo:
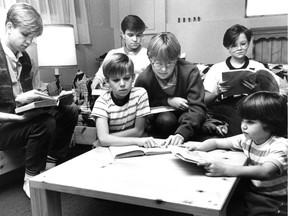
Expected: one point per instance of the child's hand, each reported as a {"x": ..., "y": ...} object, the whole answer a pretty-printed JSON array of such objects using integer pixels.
[
  {"x": 176, "y": 139},
  {"x": 95, "y": 144},
  {"x": 191, "y": 146},
  {"x": 213, "y": 168},
  {"x": 223, "y": 87},
  {"x": 251, "y": 85},
  {"x": 215, "y": 126},
  {"x": 178, "y": 103},
  {"x": 148, "y": 142}
]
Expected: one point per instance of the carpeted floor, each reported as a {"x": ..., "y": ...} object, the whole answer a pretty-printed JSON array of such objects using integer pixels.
[{"x": 13, "y": 202}]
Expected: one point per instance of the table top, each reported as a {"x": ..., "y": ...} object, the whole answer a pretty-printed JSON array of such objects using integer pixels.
[{"x": 160, "y": 181}]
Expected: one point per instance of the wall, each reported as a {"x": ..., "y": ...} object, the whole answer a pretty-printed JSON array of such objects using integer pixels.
[{"x": 202, "y": 41}]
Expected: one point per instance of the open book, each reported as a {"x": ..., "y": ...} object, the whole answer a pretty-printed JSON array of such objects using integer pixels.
[
  {"x": 189, "y": 156},
  {"x": 37, "y": 104},
  {"x": 234, "y": 79},
  {"x": 134, "y": 150},
  {"x": 36, "y": 99}
]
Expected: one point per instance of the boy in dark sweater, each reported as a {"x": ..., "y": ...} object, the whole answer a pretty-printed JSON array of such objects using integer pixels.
[{"x": 171, "y": 81}]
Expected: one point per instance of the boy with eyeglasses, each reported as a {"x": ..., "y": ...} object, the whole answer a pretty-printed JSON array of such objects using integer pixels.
[
  {"x": 171, "y": 81},
  {"x": 132, "y": 28},
  {"x": 236, "y": 40}
]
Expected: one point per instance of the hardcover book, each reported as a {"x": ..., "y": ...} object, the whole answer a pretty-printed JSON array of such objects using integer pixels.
[
  {"x": 134, "y": 150},
  {"x": 36, "y": 99},
  {"x": 37, "y": 104}
]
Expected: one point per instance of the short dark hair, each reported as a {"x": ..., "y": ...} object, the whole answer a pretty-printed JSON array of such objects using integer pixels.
[
  {"x": 133, "y": 23},
  {"x": 118, "y": 64},
  {"x": 268, "y": 107},
  {"x": 233, "y": 33},
  {"x": 25, "y": 16}
]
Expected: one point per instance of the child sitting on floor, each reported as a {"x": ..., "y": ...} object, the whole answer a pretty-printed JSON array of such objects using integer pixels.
[
  {"x": 264, "y": 126},
  {"x": 120, "y": 112}
]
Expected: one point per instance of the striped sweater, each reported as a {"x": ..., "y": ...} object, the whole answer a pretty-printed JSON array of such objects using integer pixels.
[
  {"x": 121, "y": 118},
  {"x": 273, "y": 150}
]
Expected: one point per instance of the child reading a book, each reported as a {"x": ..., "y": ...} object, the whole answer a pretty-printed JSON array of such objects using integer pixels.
[
  {"x": 264, "y": 127},
  {"x": 171, "y": 81},
  {"x": 132, "y": 29},
  {"x": 44, "y": 134},
  {"x": 121, "y": 112},
  {"x": 236, "y": 40}
]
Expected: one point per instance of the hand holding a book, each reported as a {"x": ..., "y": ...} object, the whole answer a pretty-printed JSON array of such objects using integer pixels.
[
  {"x": 214, "y": 168},
  {"x": 251, "y": 84},
  {"x": 223, "y": 87},
  {"x": 191, "y": 145}
]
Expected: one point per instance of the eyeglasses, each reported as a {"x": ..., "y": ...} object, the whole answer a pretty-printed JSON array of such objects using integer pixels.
[
  {"x": 159, "y": 65},
  {"x": 241, "y": 45}
]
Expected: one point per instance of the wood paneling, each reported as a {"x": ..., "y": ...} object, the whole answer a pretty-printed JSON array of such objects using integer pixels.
[{"x": 270, "y": 44}]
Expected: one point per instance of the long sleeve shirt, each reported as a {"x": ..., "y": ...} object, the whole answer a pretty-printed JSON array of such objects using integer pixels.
[{"x": 189, "y": 86}]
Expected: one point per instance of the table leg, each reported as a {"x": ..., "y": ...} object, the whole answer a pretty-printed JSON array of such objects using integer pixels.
[{"x": 45, "y": 202}]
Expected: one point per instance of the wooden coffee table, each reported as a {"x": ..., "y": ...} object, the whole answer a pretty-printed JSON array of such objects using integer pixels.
[{"x": 161, "y": 181}]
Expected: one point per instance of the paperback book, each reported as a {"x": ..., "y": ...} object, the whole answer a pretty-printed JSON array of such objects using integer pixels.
[
  {"x": 234, "y": 80},
  {"x": 189, "y": 156}
]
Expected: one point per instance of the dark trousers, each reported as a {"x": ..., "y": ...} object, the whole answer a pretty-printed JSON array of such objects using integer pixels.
[
  {"x": 246, "y": 202},
  {"x": 163, "y": 124},
  {"x": 48, "y": 134}
]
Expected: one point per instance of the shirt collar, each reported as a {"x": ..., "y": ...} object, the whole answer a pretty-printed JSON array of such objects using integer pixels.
[
  {"x": 9, "y": 52},
  {"x": 134, "y": 52},
  {"x": 230, "y": 66}
]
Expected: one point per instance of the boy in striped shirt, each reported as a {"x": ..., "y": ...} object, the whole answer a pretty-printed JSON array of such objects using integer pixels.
[{"x": 121, "y": 112}]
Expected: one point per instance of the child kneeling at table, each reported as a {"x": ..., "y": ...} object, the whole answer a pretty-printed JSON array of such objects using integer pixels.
[
  {"x": 264, "y": 126},
  {"x": 121, "y": 112}
]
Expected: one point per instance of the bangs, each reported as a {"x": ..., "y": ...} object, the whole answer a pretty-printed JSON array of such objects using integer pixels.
[
  {"x": 164, "y": 47},
  {"x": 119, "y": 72},
  {"x": 258, "y": 107},
  {"x": 166, "y": 54},
  {"x": 27, "y": 18},
  {"x": 247, "y": 111},
  {"x": 118, "y": 65},
  {"x": 269, "y": 108}
]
